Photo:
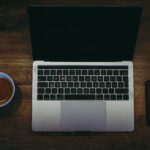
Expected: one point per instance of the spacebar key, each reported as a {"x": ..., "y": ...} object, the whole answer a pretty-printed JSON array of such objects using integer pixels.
[{"x": 79, "y": 97}]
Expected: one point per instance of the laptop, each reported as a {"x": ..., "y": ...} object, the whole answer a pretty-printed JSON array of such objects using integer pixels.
[{"x": 82, "y": 67}]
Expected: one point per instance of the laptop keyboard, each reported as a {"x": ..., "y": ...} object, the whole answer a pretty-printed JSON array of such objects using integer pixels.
[{"x": 83, "y": 83}]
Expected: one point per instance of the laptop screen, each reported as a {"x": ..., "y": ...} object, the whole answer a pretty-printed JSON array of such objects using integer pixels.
[{"x": 60, "y": 33}]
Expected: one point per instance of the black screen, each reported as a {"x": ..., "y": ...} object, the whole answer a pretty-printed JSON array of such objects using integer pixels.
[{"x": 60, "y": 33}]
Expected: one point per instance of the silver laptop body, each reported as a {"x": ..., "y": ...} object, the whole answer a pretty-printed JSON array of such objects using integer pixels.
[{"x": 114, "y": 111}]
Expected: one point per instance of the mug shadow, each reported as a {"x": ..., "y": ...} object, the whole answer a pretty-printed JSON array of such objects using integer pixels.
[{"x": 14, "y": 105}]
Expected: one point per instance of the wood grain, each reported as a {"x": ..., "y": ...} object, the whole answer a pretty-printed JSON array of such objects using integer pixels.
[{"x": 16, "y": 60}]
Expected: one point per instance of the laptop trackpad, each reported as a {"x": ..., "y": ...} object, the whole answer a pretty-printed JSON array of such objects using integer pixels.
[{"x": 83, "y": 116}]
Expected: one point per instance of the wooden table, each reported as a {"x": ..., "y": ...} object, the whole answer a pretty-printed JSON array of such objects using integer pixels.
[{"x": 16, "y": 60}]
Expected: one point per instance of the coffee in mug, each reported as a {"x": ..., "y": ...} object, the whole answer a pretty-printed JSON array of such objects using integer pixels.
[{"x": 7, "y": 89}]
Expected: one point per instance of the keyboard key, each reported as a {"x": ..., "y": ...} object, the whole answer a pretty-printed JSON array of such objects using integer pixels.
[
  {"x": 60, "y": 97},
  {"x": 113, "y": 97},
  {"x": 75, "y": 78},
  {"x": 39, "y": 97},
  {"x": 86, "y": 91},
  {"x": 71, "y": 72},
  {"x": 99, "y": 97},
  {"x": 105, "y": 91},
  {"x": 97, "y": 72},
  {"x": 67, "y": 90},
  {"x": 41, "y": 78},
  {"x": 51, "y": 84},
  {"x": 100, "y": 78},
  {"x": 98, "y": 91},
  {"x": 76, "y": 84},
  {"x": 108, "y": 84},
  {"x": 46, "y": 97},
  {"x": 60, "y": 90},
  {"x": 111, "y": 90},
  {"x": 81, "y": 78},
  {"x": 90, "y": 72},
  {"x": 101, "y": 84},
  {"x": 53, "y": 72},
  {"x": 54, "y": 90},
  {"x": 65, "y": 72},
  {"x": 52, "y": 97},
  {"x": 57, "y": 84},
  {"x": 70, "y": 84},
  {"x": 84, "y": 72},
  {"x": 49, "y": 78},
  {"x": 46, "y": 72},
  {"x": 40, "y": 90},
  {"x": 103, "y": 72},
  {"x": 95, "y": 84},
  {"x": 64, "y": 84},
  {"x": 125, "y": 97},
  {"x": 68, "y": 78},
  {"x": 87, "y": 78},
  {"x": 106, "y": 78},
  {"x": 119, "y": 78},
  {"x": 119, "y": 97},
  {"x": 89, "y": 84},
  {"x": 48, "y": 90},
  {"x": 78, "y": 72},
  {"x": 56, "y": 78},
  {"x": 42, "y": 84},
  {"x": 112, "y": 78},
  {"x": 40, "y": 72},
  {"x": 114, "y": 84},
  {"x": 123, "y": 72},
  {"x": 109, "y": 72},
  {"x": 73, "y": 90},
  {"x": 121, "y": 91},
  {"x": 94, "y": 78},
  {"x": 62, "y": 78},
  {"x": 92, "y": 91},
  {"x": 79, "y": 97},
  {"x": 125, "y": 78},
  {"x": 59, "y": 72},
  {"x": 80, "y": 91},
  {"x": 83, "y": 84},
  {"x": 120, "y": 84},
  {"x": 106, "y": 97},
  {"x": 116, "y": 72},
  {"x": 126, "y": 84}
]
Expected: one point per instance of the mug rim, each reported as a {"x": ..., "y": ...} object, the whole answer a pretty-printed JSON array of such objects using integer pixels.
[{"x": 7, "y": 77}]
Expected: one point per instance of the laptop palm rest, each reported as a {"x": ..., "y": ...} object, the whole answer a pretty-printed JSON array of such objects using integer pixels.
[{"x": 83, "y": 116}]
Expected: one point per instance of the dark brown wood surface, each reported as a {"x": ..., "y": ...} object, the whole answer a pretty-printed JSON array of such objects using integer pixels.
[{"x": 16, "y": 60}]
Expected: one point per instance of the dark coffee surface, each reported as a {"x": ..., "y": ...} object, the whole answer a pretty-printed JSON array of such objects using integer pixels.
[{"x": 6, "y": 90}]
